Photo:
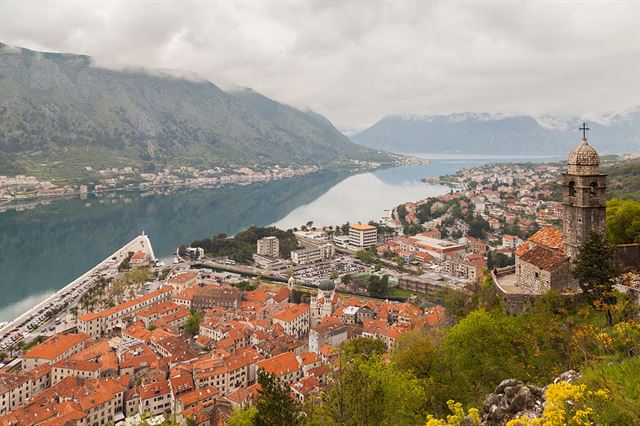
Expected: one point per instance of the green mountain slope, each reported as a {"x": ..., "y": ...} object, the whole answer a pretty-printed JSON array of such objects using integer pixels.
[{"x": 57, "y": 107}]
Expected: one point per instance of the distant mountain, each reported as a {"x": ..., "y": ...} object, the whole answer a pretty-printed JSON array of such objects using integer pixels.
[
  {"x": 497, "y": 134},
  {"x": 60, "y": 110}
]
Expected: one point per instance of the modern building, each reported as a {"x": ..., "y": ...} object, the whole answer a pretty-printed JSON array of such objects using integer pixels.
[
  {"x": 268, "y": 246},
  {"x": 313, "y": 254},
  {"x": 363, "y": 236}
]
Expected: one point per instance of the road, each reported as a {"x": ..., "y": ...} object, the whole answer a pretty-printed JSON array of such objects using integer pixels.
[{"x": 34, "y": 322}]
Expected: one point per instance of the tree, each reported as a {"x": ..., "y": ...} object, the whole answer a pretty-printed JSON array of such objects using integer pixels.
[
  {"x": 416, "y": 352},
  {"x": 192, "y": 325},
  {"x": 365, "y": 256},
  {"x": 242, "y": 417},
  {"x": 595, "y": 269},
  {"x": 361, "y": 347},
  {"x": 378, "y": 285},
  {"x": 623, "y": 221},
  {"x": 275, "y": 406},
  {"x": 475, "y": 355},
  {"x": 367, "y": 391}
]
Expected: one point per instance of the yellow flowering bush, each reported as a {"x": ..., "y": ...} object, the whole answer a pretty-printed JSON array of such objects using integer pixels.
[
  {"x": 564, "y": 407},
  {"x": 594, "y": 341},
  {"x": 458, "y": 416}
]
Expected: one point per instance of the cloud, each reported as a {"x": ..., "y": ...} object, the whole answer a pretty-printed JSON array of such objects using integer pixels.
[{"x": 357, "y": 61}]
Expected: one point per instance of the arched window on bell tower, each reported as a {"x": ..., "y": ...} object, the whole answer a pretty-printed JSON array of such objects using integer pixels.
[
  {"x": 593, "y": 189},
  {"x": 572, "y": 189}
]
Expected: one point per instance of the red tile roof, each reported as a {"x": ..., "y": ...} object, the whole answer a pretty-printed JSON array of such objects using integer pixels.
[
  {"x": 548, "y": 237},
  {"x": 292, "y": 312},
  {"x": 56, "y": 346},
  {"x": 280, "y": 364},
  {"x": 544, "y": 258}
]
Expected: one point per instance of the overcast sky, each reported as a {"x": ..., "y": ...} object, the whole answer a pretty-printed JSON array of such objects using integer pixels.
[{"x": 357, "y": 61}]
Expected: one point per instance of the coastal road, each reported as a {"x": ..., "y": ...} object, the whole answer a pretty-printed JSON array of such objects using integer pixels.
[{"x": 25, "y": 325}]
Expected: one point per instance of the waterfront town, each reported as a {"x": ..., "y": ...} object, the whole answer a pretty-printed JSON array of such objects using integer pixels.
[{"x": 137, "y": 340}]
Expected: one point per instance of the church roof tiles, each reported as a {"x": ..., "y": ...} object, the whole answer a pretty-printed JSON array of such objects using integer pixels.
[{"x": 544, "y": 258}]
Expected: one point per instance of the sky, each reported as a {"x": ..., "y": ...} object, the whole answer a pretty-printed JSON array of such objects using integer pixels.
[{"x": 358, "y": 61}]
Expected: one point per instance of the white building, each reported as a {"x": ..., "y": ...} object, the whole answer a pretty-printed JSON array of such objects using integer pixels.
[
  {"x": 363, "y": 236},
  {"x": 341, "y": 241},
  {"x": 268, "y": 246},
  {"x": 312, "y": 254}
]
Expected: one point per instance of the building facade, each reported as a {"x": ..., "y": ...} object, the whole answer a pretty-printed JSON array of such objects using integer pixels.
[
  {"x": 363, "y": 236},
  {"x": 268, "y": 246}
]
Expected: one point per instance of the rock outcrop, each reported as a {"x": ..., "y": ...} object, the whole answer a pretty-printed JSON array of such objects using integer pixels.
[{"x": 513, "y": 399}]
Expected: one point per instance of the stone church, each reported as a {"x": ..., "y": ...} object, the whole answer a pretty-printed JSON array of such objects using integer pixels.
[{"x": 544, "y": 261}]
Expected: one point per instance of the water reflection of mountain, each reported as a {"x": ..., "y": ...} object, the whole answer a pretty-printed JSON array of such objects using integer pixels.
[{"x": 48, "y": 246}]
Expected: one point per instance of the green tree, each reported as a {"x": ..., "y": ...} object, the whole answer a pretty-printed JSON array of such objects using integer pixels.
[
  {"x": 365, "y": 256},
  {"x": 367, "y": 391},
  {"x": 361, "y": 347},
  {"x": 192, "y": 325},
  {"x": 595, "y": 269},
  {"x": 475, "y": 355},
  {"x": 623, "y": 221},
  {"x": 378, "y": 286},
  {"x": 242, "y": 417},
  {"x": 416, "y": 352},
  {"x": 275, "y": 406}
]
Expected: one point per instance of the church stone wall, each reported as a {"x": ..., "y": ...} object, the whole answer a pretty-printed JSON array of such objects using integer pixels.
[
  {"x": 628, "y": 257},
  {"x": 561, "y": 279},
  {"x": 532, "y": 279}
]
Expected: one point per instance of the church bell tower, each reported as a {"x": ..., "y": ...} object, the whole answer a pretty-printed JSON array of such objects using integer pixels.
[{"x": 583, "y": 196}]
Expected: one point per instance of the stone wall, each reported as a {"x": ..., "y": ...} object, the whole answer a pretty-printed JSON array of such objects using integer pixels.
[
  {"x": 532, "y": 279},
  {"x": 628, "y": 257}
]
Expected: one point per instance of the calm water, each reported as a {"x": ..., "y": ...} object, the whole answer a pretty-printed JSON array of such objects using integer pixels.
[{"x": 43, "y": 249}]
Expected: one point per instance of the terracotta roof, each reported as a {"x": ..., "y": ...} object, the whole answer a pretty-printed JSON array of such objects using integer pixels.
[
  {"x": 183, "y": 276},
  {"x": 548, "y": 237},
  {"x": 280, "y": 364},
  {"x": 327, "y": 350},
  {"x": 544, "y": 258},
  {"x": 154, "y": 389},
  {"x": 281, "y": 295},
  {"x": 522, "y": 249},
  {"x": 56, "y": 346},
  {"x": 306, "y": 385},
  {"x": 125, "y": 305},
  {"x": 292, "y": 312},
  {"x": 77, "y": 364},
  {"x": 160, "y": 308},
  {"x": 139, "y": 255},
  {"x": 198, "y": 395},
  {"x": 361, "y": 227}
]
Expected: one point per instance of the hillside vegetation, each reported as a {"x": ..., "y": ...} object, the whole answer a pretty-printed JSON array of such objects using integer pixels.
[
  {"x": 58, "y": 108},
  {"x": 623, "y": 179},
  {"x": 449, "y": 371}
]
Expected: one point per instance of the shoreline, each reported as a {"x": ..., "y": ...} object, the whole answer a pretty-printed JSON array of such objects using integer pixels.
[{"x": 141, "y": 240}]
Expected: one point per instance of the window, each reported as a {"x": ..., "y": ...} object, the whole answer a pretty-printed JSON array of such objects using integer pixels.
[
  {"x": 572, "y": 189},
  {"x": 537, "y": 275},
  {"x": 593, "y": 189}
]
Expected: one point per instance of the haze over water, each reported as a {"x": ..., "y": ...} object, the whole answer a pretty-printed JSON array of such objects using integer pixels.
[{"x": 44, "y": 249}]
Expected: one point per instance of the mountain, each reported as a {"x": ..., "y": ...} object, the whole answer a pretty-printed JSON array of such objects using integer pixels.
[
  {"x": 58, "y": 108},
  {"x": 497, "y": 134}
]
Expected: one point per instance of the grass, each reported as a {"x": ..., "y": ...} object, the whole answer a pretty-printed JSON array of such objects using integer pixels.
[{"x": 399, "y": 292}]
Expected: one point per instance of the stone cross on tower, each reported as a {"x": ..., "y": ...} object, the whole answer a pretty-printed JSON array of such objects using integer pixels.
[{"x": 584, "y": 129}]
